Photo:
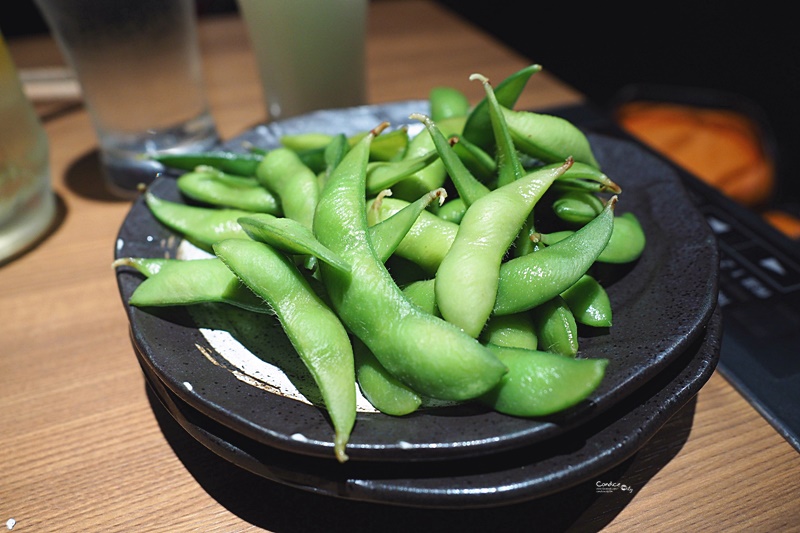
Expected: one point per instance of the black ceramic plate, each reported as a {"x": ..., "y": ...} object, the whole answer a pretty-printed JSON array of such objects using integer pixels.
[
  {"x": 661, "y": 304},
  {"x": 521, "y": 474}
]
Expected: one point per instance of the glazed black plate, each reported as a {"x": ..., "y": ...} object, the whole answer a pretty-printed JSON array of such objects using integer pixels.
[
  {"x": 513, "y": 476},
  {"x": 661, "y": 305}
]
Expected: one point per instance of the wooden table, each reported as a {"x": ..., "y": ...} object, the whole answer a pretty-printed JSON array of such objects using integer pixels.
[{"x": 81, "y": 448}]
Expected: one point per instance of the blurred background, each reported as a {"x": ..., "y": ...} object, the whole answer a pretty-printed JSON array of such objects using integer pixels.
[{"x": 745, "y": 49}]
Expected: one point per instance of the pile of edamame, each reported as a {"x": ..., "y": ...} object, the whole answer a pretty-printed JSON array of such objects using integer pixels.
[{"x": 454, "y": 265}]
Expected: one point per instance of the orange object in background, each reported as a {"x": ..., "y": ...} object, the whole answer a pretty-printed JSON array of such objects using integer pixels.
[
  {"x": 720, "y": 146},
  {"x": 786, "y": 223}
]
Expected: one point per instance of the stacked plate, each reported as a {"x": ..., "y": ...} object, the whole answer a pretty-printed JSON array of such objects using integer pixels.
[{"x": 237, "y": 387}]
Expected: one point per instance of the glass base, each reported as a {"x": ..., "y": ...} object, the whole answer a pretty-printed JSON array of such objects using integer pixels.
[
  {"x": 25, "y": 228},
  {"x": 125, "y": 158}
]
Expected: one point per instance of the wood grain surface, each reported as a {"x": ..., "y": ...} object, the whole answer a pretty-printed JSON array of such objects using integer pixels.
[{"x": 83, "y": 447}]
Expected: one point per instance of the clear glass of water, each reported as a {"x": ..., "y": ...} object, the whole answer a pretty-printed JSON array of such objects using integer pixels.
[
  {"x": 139, "y": 67},
  {"x": 27, "y": 203}
]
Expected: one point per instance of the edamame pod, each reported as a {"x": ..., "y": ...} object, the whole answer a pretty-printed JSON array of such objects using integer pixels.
[
  {"x": 381, "y": 389},
  {"x": 306, "y": 141},
  {"x": 539, "y": 383},
  {"x": 452, "y": 210},
  {"x": 467, "y": 278},
  {"x": 202, "y": 226},
  {"x": 289, "y": 236},
  {"x": 332, "y": 155},
  {"x": 548, "y": 137},
  {"x": 482, "y": 165},
  {"x": 583, "y": 172},
  {"x": 626, "y": 246},
  {"x": 388, "y": 147},
  {"x": 426, "y": 242},
  {"x": 477, "y": 128},
  {"x": 385, "y": 174},
  {"x": 447, "y": 102},
  {"x": 175, "y": 282},
  {"x": 589, "y": 302},
  {"x": 433, "y": 175},
  {"x": 312, "y": 327},
  {"x": 508, "y": 165},
  {"x": 433, "y": 357},
  {"x": 555, "y": 327},
  {"x": 534, "y": 278},
  {"x": 577, "y": 207},
  {"x": 627, "y": 242},
  {"x": 469, "y": 188},
  {"x": 515, "y": 331},
  {"x": 421, "y": 294},
  {"x": 387, "y": 233},
  {"x": 282, "y": 172},
  {"x": 214, "y": 187},
  {"x": 240, "y": 164}
]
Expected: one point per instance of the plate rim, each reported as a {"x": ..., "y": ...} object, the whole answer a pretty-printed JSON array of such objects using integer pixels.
[{"x": 688, "y": 374}]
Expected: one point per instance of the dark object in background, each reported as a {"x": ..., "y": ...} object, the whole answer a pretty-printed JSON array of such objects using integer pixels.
[
  {"x": 21, "y": 17},
  {"x": 599, "y": 48}
]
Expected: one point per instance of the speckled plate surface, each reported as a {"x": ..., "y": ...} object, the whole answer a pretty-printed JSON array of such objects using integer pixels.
[
  {"x": 661, "y": 305},
  {"x": 504, "y": 478}
]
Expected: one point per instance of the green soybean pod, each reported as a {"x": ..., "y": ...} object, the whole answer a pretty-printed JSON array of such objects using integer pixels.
[
  {"x": 387, "y": 233},
  {"x": 421, "y": 294},
  {"x": 391, "y": 146},
  {"x": 282, "y": 172},
  {"x": 477, "y": 128},
  {"x": 177, "y": 282},
  {"x": 289, "y": 236},
  {"x": 240, "y": 164},
  {"x": 627, "y": 242},
  {"x": 540, "y": 383},
  {"x": 433, "y": 175},
  {"x": 306, "y": 141},
  {"x": 548, "y": 137},
  {"x": 589, "y": 302},
  {"x": 577, "y": 207},
  {"x": 589, "y": 177},
  {"x": 452, "y": 210},
  {"x": 515, "y": 331},
  {"x": 380, "y": 388},
  {"x": 508, "y": 164},
  {"x": 447, "y": 102},
  {"x": 385, "y": 174},
  {"x": 512, "y": 329},
  {"x": 555, "y": 327},
  {"x": 426, "y": 242},
  {"x": 434, "y": 358},
  {"x": 467, "y": 278},
  {"x": 314, "y": 330},
  {"x": 468, "y": 186},
  {"x": 214, "y": 187},
  {"x": 482, "y": 165},
  {"x": 332, "y": 155},
  {"x": 202, "y": 226},
  {"x": 534, "y": 278}
]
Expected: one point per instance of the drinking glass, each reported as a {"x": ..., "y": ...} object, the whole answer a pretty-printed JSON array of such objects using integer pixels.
[
  {"x": 310, "y": 53},
  {"x": 27, "y": 203},
  {"x": 139, "y": 67}
]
